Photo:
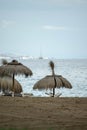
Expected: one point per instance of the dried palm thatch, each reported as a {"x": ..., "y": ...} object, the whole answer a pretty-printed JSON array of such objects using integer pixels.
[
  {"x": 14, "y": 68},
  {"x": 6, "y": 84},
  {"x": 52, "y": 81},
  {"x": 48, "y": 82},
  {"x": 51, "y": 64}
]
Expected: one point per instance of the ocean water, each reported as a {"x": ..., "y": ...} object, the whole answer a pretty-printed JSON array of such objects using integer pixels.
[{"x": 74, "y": 70}]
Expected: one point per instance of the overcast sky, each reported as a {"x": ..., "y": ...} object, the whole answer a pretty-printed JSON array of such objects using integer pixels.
[{"x": 51, "y": 28}]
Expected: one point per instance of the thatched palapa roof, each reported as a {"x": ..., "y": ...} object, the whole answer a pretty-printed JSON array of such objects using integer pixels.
[
  {"x": 15, "y": 68},
  {"x": 6, "y": 85},
  {"x": 48, "y": 82}
]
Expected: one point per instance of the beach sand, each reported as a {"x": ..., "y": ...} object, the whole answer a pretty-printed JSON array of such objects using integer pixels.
[{"x": 43, "y": 113}]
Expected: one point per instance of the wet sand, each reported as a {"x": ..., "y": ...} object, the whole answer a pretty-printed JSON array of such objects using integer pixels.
[{"x": 42, "y": 113}]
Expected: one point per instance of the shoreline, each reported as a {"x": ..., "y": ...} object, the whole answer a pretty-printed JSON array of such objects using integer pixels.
[{"x": 43, "y": 113}]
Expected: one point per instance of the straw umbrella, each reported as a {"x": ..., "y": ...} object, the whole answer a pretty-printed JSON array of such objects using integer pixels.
[
  {"x": 14, "y": 68},
  {"x": 52, "y": 81},
  {"x": 6, "y": 84}
]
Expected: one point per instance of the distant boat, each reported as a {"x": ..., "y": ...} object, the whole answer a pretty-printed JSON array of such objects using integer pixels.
[{"x": 40, "y": 57}]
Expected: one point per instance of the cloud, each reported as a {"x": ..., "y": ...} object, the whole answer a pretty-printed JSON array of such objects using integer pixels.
[
  {"x": 55, "y": 28},
  {"x": 60, "y": 28},
  {"x": 6, "y": 23}
]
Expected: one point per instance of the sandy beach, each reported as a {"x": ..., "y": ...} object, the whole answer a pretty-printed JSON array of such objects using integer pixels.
[{"x": 43, "y": 113}]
